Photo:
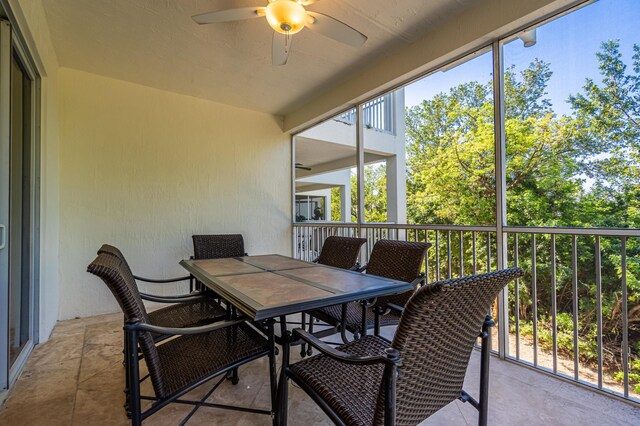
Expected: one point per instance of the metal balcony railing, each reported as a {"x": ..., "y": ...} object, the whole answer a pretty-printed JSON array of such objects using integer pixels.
[
  {"x": 378, "y": 114},
  {"x": 574, "y": 314}
]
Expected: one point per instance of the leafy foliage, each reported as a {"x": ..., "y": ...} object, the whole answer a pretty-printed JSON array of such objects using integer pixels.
[{"x": 580, "y": 169}]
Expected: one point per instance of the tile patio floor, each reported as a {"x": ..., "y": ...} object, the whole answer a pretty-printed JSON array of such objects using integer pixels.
[{"x": 76, "y": 378}]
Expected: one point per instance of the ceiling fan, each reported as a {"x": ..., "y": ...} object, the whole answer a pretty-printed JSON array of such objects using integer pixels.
[
  {"x": 288, "y": 17},
  {"x": 302, "y": 167}
]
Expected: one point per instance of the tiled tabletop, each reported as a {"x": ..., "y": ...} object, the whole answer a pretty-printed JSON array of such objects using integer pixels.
[{"x": 272, "y": 285}]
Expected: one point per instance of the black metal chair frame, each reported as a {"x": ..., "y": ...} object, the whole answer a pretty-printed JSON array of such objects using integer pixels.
[
  {"x": 304, "y": 351},
  {"x": 392, "y": 362},
  {"x": 133, "y": 327},
  {"x": 204, "y": 239},
  {"x": 182, "y": 298},
  {"x": 378, "y": 310},
  {"x": 432, "y": 358},
  {"x": 160, "y": 299}
]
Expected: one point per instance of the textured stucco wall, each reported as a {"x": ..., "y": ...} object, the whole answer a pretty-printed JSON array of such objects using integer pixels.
[{"x": 145, "y": 169}]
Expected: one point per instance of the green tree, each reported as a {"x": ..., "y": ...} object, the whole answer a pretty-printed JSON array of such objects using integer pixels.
[
  {"x": 450, "y": 155},
  {"x": 336, "y": 202},
  {"x": 608, "y": 119},
  {"x": 375, "y": 193},
  {"x": 450, "y": 180}
]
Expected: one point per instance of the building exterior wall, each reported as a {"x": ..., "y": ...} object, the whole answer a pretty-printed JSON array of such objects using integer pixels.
[{"x": 144, "y": 169}]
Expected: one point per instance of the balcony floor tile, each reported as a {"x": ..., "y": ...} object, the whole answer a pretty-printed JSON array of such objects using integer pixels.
[{"x": 77, "y": 378}]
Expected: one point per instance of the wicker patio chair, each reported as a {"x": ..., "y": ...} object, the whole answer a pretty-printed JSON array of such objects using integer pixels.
[
  {"x": 186, "y": 310},
  {"x": 218, "y": 246},
  {"x": 372, "y": 381},
  {"x": 398, "y": 260},
  {"x": 339, "y": 252},
  {"x": 195, "y": 356}
]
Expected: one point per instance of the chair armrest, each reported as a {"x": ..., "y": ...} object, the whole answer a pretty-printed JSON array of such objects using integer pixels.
[
  {"x": 356, "y": 267},
  {"x": 361, "y": 268},
  {"x": 168, "y": 280},
  {"x": 420, "y": 278},
  {"x": 395, "y": 307},
  {"x": 368, "y": 302},
  {"x": 172, "y": 299},
  {"x": 136, "y": 325},
  {"x": 392, "y": 357}
]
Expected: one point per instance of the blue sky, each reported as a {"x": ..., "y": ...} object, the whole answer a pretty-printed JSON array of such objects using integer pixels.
[{"x": 568, "y": 44}]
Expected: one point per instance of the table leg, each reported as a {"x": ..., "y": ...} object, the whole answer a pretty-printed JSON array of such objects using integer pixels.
[
  {"x": 283, "y": 386},
  {"x": 272, "y": 370},
  {"x": 343, "y": 324}
]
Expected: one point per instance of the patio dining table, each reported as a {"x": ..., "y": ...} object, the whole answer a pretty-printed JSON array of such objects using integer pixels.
[{"x": 272, "y": 286}]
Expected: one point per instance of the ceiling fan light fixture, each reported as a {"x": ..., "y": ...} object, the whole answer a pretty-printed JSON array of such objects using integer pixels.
[{"x": 286, "y": 16}]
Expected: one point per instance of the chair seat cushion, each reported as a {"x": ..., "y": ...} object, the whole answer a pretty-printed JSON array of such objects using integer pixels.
[
  {"x": 188, "y": 314},
  {"x": 335, "y": 381},
  {"x": 333, "y": 315},
  {"x": 188, "y": 359}
]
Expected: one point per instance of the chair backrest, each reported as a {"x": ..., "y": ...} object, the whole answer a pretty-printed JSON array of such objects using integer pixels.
[
  {"x": 117, "y": 276},
  {"x": 115, "y": 252},
  {"x": 218, "y": 246},
  {"x": 398, "y": 260},
  {"x": 435, "y": 337},
  {"x": 340, "y": 252}
]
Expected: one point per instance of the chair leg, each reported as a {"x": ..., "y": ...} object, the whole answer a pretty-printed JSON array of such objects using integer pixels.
[
  {"x": 389, "y": 378},
  {"x": 125, "y": 362},
  {"x": 377, "y": 311},
  {"x": 133, "y": 377},
  {"x": 233, "y": 376},
  {"x": 310, "y": 348},
  {"x": 363, "y": 327},
  {"x": 303, "y": 347},
  {"x": 283, "y": 385},
  {"x": 485, "y": 356}
]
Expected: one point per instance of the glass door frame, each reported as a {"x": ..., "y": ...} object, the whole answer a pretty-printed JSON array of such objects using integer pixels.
[{"x": 12, "y": 44}]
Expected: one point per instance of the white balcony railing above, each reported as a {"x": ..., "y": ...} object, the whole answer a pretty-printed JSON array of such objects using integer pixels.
[{"x": 378, "y": 115}]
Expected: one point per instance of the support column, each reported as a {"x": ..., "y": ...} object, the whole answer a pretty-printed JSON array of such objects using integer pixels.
[
  {"x": 501, "y": 195},
  {"x": 397, "y": 164}
]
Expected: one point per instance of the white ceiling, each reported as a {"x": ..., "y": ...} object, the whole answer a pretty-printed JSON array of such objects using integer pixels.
[{"x": 155, "y": 43}]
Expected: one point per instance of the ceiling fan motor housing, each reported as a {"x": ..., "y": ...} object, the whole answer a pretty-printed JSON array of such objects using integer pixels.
[{"x": 286, "y": 16}]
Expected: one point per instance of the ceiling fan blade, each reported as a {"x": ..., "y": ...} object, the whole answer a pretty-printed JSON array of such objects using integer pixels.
[
  {"x": 332, "y": 28},
  {"x": 307, "y": 2},
  {"x": 300, "y": 166},
  {"x": 229, "y": 15},
  {"x": 280, "y": 48}
]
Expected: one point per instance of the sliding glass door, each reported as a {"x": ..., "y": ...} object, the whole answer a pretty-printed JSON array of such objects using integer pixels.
[{"x": 18, "y": 160}]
